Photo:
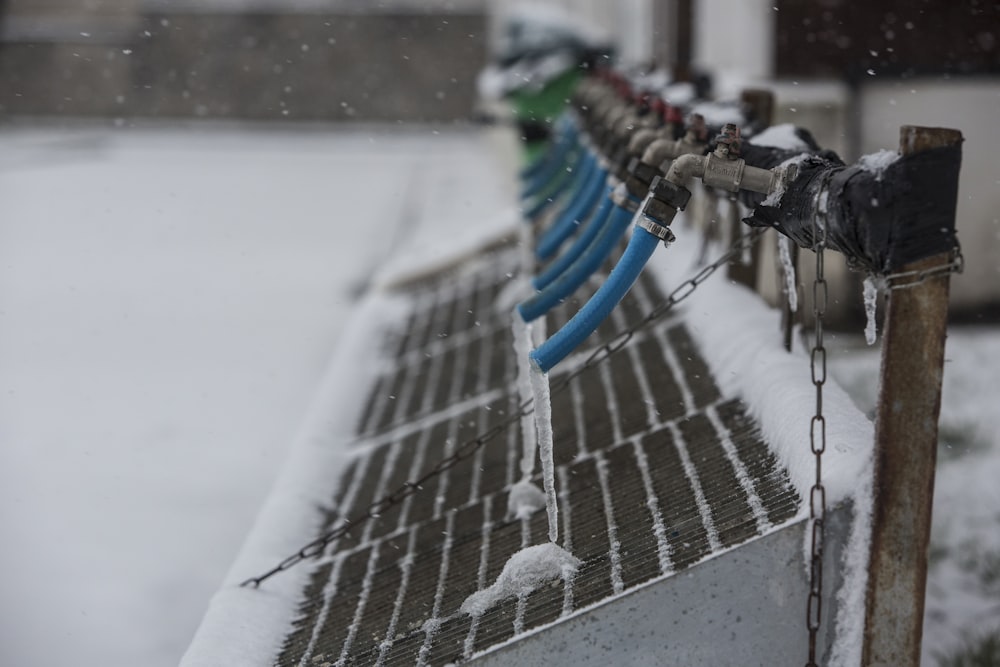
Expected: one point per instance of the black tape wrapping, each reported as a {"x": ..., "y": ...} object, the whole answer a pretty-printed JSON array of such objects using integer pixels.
[{"x": 879, "y": 222}]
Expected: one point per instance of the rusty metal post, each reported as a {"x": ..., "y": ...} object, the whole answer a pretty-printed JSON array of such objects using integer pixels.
[{"x": 906, "y": 432}]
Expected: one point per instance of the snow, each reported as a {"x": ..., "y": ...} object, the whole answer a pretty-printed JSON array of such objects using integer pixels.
[
  {"x": 965, "y": 542},
  {"x": 780, "y": 136},
  {"x": 876, "y": 163},
  {"x": 526, "y": 571},
  {"x": 717, "y": 114},
  {"x": 426, "y": 254},
  {"x": 679, "y": 94},
  {"x": 168, "y": 301},
  {"x": 774, "y": 197},
  {"x": 524, "y": 499},
  {"x": 543, "y": 430}
]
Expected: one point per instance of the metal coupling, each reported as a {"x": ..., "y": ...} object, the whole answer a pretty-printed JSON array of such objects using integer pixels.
[
  {"x": 724, "y": 172},
  {"x": 664, "y": 195},
  {"x": 640, "y": 177},
  {"x": 660, "y": 208}
]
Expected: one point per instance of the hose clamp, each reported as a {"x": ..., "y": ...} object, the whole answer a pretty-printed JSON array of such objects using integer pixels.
[{"x": 657, "y": 230}]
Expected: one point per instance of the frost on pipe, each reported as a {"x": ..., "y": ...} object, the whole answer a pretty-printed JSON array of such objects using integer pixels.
[{"x": 881, "y": 219}]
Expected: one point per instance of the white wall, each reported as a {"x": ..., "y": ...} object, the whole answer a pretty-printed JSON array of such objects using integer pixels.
[
  {"x": 732, "y": 40},
  {"x": 972, "y": 106}
]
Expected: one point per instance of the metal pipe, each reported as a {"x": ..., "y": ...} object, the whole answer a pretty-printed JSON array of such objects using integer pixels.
[{"x": 662, "y": 150}]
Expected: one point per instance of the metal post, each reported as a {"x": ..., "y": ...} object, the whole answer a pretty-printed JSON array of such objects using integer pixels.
[{"x": 906, "y": 449}]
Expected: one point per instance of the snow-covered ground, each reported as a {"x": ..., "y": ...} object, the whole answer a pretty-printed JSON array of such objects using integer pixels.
[
  {"x": 168, "y": 302},
  {"x": 963, "y": 590}
]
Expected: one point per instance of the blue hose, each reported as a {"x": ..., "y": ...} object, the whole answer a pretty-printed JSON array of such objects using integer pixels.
[
  {"x": 568, "y": 223},
  {"x": 560, "y": 182},
  {"x": 624, "y": 275},
  {"x": 580, "y": 243},
  {"x": 561, "y": 157},
  {"x": 564, "y": 137},
  {"x": 580, "y": 270}
]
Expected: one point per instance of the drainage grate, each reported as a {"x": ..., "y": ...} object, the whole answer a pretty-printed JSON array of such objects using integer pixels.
[{"x": 656, "y": 470}]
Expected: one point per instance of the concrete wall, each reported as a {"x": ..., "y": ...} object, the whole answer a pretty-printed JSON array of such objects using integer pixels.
[{"x": 398, "y": 64}]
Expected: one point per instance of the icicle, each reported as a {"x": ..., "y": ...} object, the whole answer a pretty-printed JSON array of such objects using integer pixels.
[
  {"x": 522, "y": 347},
  {"x": 524, "y": 498},
  {"x": 788, "y": 269},
  {"x": 871, "y": 299},
  {"x": 543, "y": 430}
]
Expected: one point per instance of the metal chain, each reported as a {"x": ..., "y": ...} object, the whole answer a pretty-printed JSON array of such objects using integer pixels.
[
  {"x": 466, "y": 449},
  {"x": 817, "y": 443},
  {"x": 908, "y": 279}
]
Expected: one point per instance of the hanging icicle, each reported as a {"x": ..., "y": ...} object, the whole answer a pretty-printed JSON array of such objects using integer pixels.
[
  {"x": 870, "y": 294},
  {"x": 788, "y": 271}
]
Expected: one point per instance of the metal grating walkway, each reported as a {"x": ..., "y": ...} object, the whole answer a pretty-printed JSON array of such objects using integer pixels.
[{"x": 656, "y": 470}]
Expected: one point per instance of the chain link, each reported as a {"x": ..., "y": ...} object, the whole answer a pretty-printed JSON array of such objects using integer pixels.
[
  {"x": 908, "y": 279},
  {"x": 466, "y": 449},
  {"x": 817, "y": 444}
]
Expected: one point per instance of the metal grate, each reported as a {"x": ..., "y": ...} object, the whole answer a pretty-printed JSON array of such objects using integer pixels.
[{"x": 656, "y": 470}]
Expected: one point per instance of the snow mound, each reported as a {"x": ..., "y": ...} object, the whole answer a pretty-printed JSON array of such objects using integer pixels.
[
  {"x": 526, "y": 571},
  {"x": 877, "y": 163},
  {"x": 781, "y": 136}
]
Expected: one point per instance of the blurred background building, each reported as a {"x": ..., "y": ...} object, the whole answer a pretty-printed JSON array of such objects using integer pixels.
[
  {"x": 402, "y": 60},
  {"x": 850, "y": 72}
]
